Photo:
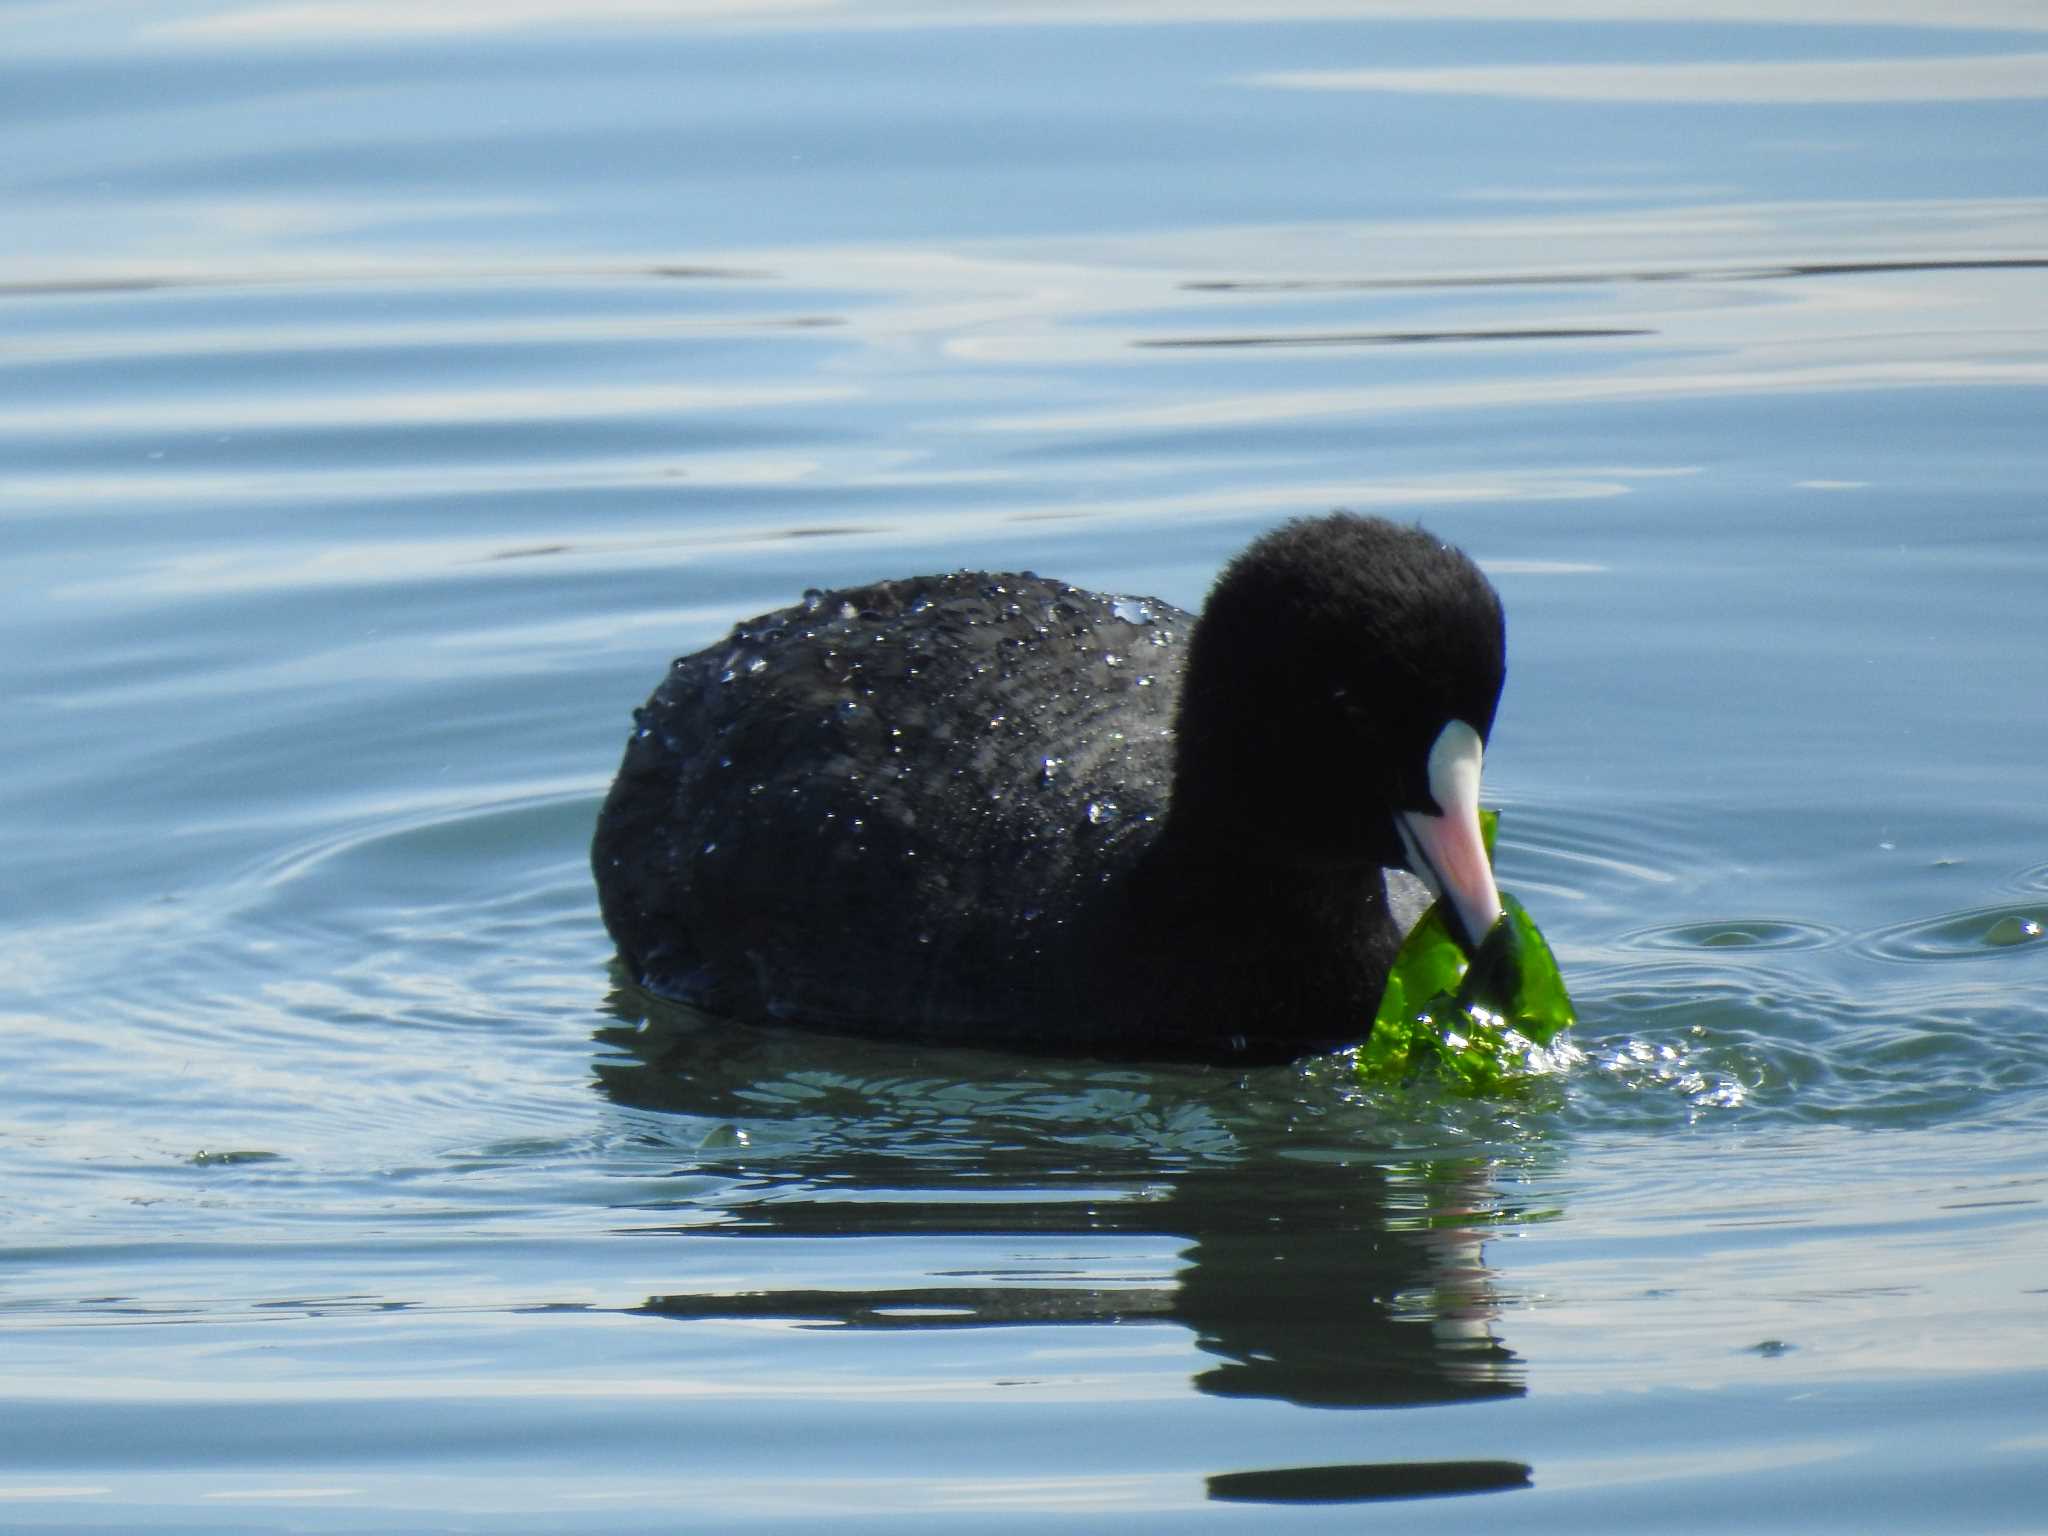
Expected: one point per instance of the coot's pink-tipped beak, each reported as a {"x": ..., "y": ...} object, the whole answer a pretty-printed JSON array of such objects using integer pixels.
[{"x": 1448, "y": 851}]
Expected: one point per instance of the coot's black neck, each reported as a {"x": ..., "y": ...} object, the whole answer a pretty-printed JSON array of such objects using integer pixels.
[{"x": 1220, "y": 947}]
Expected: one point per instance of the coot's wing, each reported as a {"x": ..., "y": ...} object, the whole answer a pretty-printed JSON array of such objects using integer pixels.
[{"x": 890, "y": 806}]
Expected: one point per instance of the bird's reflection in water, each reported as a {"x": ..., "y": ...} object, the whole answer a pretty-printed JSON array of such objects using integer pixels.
[{"x": 1313, "y": 1270}]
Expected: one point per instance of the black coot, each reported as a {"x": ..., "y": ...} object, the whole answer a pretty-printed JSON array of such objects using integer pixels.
[{"x": 999, "y": 810}]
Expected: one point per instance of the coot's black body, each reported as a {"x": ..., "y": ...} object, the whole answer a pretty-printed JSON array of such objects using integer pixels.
[{"x": 1000, "y": 810}]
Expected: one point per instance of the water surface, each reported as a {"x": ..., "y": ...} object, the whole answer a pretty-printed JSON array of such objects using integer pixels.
[{"x": 386, "y": 394}]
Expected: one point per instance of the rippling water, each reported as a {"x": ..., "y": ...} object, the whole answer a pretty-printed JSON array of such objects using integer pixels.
[{"x": 386, "y": 393}]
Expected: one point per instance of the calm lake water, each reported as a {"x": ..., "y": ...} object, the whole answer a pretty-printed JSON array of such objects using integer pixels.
[{"x": 387, "y": 392}]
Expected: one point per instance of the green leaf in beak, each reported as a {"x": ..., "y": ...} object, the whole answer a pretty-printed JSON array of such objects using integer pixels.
[{"x": 1473, "y": 1019}]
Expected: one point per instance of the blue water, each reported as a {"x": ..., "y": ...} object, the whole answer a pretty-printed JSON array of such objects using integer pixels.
[{"x": 387, "y": 393}]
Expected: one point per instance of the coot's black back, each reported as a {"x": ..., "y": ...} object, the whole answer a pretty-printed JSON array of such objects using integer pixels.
[{"x": 897, "y": 809}]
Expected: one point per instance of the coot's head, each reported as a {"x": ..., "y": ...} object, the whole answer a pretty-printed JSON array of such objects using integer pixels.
[{"x": 1340, "y": 688}]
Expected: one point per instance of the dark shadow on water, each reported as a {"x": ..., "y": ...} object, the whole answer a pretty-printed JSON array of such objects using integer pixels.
[
  {"x": 1368, "y": 1482},
  {"x": 1395, "y": 338},
  {"x": 1316, "y": 1272},
  {"x": 1540, "y": 279}
]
